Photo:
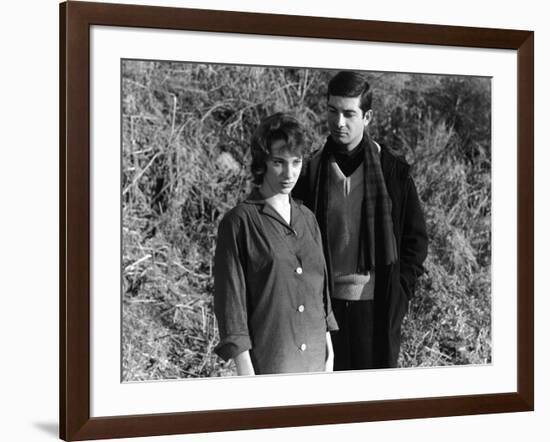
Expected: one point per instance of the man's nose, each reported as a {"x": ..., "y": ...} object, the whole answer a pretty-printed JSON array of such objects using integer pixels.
[{"x": 341, "y": 120}]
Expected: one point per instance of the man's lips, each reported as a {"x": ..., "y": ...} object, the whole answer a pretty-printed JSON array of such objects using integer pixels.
[{"x": 339, "y": 133}]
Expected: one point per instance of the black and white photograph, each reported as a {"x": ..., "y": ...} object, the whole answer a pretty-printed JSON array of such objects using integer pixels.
[
  {"x": 243, "y": 221},
  {"x": 294, "y": 220}
]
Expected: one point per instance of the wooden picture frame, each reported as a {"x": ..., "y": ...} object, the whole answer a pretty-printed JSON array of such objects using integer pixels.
[{"x": 76, "y": 18}]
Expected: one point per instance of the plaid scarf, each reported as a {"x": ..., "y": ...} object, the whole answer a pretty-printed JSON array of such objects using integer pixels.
[{"x": 377, "y": 239}]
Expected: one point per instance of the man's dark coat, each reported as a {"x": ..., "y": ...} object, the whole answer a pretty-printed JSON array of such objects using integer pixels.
[{"x": 395, "y": 283}]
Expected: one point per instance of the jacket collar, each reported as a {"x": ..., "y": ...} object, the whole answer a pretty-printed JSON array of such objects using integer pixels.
[{"x": 255, "y": 198}]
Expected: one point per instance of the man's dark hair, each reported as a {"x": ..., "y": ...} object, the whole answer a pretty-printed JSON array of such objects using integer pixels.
[
  {"x": 277, "y": 127},
  {"x": 351, "y": 84}
]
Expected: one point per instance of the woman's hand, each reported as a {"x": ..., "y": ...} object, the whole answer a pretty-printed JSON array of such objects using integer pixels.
[
  {"x": 244, "y": 364},
  {"x": 329, "y": 362}
]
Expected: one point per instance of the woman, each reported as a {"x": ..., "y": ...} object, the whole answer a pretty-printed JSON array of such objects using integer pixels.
[{"x": 270, "y": 292}]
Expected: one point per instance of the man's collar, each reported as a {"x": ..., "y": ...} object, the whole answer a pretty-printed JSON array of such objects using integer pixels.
[{"x": 333, "y": 147}]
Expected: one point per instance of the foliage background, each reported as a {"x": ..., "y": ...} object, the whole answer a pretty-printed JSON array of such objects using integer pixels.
[{"x": 186, "y": 129}]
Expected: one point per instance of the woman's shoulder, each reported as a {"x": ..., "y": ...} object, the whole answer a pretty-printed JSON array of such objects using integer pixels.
[
  {"x": 239, "y": 214},
  {"x": 306, "y": 213}
]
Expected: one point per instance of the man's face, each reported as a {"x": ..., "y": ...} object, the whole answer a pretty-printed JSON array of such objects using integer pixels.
[{"x": 346, "y": 120}]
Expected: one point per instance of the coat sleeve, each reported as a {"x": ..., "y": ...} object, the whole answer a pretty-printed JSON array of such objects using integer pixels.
[
  {"x": 331, "y": 323},
  {"x": 230, "y": 306},
  {"x": 414, "y": 240},
  {"x": 301, "y": 191}
]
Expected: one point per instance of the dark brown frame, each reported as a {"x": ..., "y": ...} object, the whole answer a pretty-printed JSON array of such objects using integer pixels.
[{"x": 75, "y": 21}]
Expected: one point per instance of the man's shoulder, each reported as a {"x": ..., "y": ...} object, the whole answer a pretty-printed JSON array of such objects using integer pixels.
[
  {"x": 313, "y": 161},
  {"x": 316, "y": 153},
  {"x": 394, "y": 162},
  {"x": 315, "y": 156}
]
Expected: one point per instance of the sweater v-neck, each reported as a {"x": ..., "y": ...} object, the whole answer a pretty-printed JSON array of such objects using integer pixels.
[{"x": 349, "y": 161}]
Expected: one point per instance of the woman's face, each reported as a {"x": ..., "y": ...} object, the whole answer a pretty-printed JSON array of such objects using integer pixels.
[{"x": 282, "y": 170}]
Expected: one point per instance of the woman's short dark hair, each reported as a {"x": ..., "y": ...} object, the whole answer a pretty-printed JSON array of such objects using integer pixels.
[
  {"x": 277, "y": 127},
  {"x": 351, "y": 84}
]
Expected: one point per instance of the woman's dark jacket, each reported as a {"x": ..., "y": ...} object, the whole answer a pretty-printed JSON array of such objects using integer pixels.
[{"x": 395, "y": 283}]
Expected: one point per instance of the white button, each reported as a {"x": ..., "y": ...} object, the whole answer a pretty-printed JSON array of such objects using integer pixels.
[
  {"x": 299, "y": 270},
  {"x": 301, "y": 308},
  {"x": 303, "y": 347}
]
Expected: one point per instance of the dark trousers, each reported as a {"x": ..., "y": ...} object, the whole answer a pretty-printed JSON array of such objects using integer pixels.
[{"x": 353, "y": 342}]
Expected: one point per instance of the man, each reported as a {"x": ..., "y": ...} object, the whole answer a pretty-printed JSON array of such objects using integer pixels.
[{"x": 372, "y": 226}]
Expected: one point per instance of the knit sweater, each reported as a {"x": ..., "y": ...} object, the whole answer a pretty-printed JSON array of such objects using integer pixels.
[{"x": 344, "y": 207}]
